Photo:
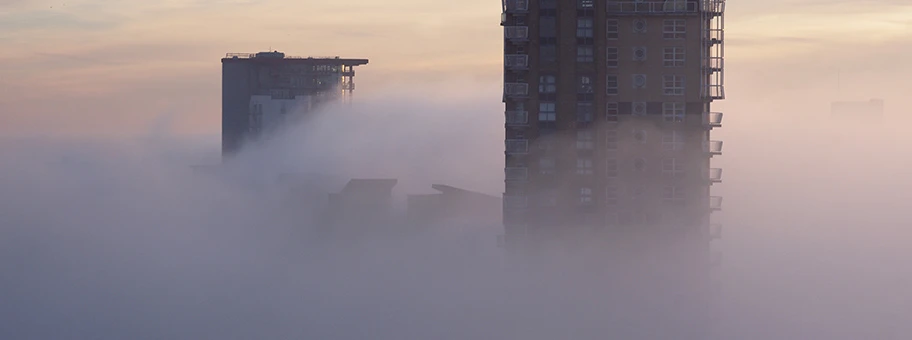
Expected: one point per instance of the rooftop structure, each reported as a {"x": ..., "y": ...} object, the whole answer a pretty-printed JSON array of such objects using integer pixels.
[{"x": 265, "y": 91}]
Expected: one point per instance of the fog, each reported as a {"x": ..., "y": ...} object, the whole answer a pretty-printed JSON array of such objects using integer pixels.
[{"x": 121, "y": 239}]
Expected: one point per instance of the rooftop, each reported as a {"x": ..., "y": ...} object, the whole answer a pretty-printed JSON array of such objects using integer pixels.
[{"x": 276, "y": 55}]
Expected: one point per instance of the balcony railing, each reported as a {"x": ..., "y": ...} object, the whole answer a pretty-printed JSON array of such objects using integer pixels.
[
  {"x": 654, "y": 7},
  {"x": 712, "y": 119},
  {"x": 715, "y": 203},
  {"x": 517, "y": 118},
  {"x": 516, "y": 89},
  {"x": 516, "y": 6},
  {"x": 516, "y": 33},
  {"x": 715, "y": 231},
  {"x": 714, "y": 175},
  {"x": 516, "y": 61},
  {"x": 713, "y": 147},
  {"x": 515, "y": 202},
  {"x": 516, "y": 174},
  {"x": 517, "y": 146}
]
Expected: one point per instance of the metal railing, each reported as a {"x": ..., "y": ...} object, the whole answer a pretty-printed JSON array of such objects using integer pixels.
[
  {"x": 714, "y": 175},
  {"x": 516, "y": 32},
  {"x": 516, "y": 6},
  {"x": 715, "y": 203},
  {"x": 654, "y": 7},
  {"x": 516, "y": 174},
  {"x": 712, "y": 119},
  {"x": 715, "y": 230},
  {"x": 713, "y": 147},
  {"x": 254, "y": 55},
  {"x": 516, "y": 146},
  {"x": 516, "y": 61},
  {"x": 516, "y": 89},
  {"x": 517, "y": 117},
  {"x": 515, "y": 202}
]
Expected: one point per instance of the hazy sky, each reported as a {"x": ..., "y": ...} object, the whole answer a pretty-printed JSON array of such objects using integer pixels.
[{"x": 91, "y": 66}]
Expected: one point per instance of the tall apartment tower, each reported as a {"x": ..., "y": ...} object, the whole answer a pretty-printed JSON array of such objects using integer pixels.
[
  {"x": 264, "y": 91},
  {"x": 608, "y": 124}
]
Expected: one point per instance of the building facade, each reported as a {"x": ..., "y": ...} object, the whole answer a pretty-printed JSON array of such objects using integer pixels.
[
  {"x": 267, "y": 90},
  {"x": 607, "y": 126}
]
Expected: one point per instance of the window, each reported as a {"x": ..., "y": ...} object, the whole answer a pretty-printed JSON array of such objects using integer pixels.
[
  {"x": 547, "y": 53},
  {"x": 611, "y": 140},
  {"x": 673, "y": 112},
  {"x": 585, "y": 54},
  {"x": 547, "y": 27},
  {"x": 673, "y": 193},
  {"x": 585, "y": 195},
  {"x": 611, "y": 112},
  {"x": 611, "y": 56},
  {"x": 585, "y": 3},
  {"x": 549, "y": 4},
  {"x": 584, "y": 166},
  {"x": 517, "y": 146},
  {"x": 516, "y": 117},
  {"x": 611, "y": 29},
  {"x": 584, "y": 28},
  {"x": 547, "y": 112},
  {"x": 585, "y": 84},
  {"x": 674, "y": 29},
  {"x": 611, "y": 84},
  {"x": 585, "y": 140},
  {"x": 672, "y": 166},
  {"x": 611, "y": 168},
  {"x": 584, "y": 112},
  {"x": 673, "y": 57},
  {"x": 672, "y": 141},
  {"x": 673, "y": 85},
  {"x": 611, "y": 195},
  {"x": 547, "y": 166},
  {"x": 547, "y": 84}
]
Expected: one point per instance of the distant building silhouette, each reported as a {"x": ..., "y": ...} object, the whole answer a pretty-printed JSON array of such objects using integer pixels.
[{"x": 264, "y": 91}]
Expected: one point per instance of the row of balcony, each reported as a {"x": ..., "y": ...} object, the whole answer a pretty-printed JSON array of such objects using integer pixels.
[
  {"x": 710, "y": 120},
  {"x": 517, "y": 202},
  {"x": 713, "y": 89}
]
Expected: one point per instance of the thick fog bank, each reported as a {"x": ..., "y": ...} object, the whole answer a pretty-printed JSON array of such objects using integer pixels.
[{"x": 120, "y": 239}]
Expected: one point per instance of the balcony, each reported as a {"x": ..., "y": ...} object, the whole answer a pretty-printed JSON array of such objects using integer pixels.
[
  {"x": 516, "y": 90},
  {"x": 715, "y": 231},
  {"x": 712, "y": 120},
  {"x": 516, "y": 61},
  {"x": 516, "y": 174},
  {"x": 517, "y": 146},
  {"x": 664, "y": 7},
  {"x": 517, "y": 118},
  {"x": 516, "y": 33},
  {"x": 714, "y": 175},
  {"x": 516, "y": 6},
  {"x": 715, "y": 203},
  {"x": 515, "y": 202},
  {"x": 713, "y": 147}
]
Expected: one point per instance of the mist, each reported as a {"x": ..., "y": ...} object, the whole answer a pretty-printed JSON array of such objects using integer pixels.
[{"x": 116, "y": 238}]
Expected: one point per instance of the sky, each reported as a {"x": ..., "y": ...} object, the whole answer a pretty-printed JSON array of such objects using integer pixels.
[{"x": 68, "y": 66}]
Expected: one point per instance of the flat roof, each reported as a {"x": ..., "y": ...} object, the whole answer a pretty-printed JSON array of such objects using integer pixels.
[{"x": 281, "y": 57}]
